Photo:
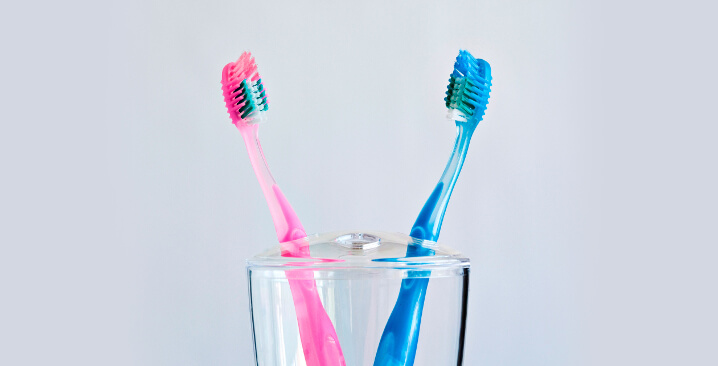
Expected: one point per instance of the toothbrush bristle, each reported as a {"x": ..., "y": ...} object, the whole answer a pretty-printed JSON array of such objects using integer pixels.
[
  {"x": 243, "y": 90},
  {"x": 469, "y": 87}
]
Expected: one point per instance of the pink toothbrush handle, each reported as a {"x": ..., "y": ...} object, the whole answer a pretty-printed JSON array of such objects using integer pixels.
[
  {"x": 320, "y": 342},
  {"x": 319, "y": 339},
  {"x": 285, "y": 220}
]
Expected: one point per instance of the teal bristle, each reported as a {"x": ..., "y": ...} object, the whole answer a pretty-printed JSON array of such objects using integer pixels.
[
  {"x": 469, "y": 86},
  {"x": 252, "y": 96}
]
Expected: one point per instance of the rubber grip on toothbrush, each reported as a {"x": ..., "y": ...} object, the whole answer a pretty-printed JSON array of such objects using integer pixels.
[
  {"x": 320, "y": 343},
  {"x": 397, "y": 346},
  {"x": 319, "y": 340}
]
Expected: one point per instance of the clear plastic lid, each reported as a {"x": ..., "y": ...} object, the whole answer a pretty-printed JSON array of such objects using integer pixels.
[{"x": 357, "y": 250}]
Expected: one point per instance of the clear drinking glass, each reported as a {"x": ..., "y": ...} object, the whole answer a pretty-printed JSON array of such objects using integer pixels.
[{"x": 358, "y": 275}]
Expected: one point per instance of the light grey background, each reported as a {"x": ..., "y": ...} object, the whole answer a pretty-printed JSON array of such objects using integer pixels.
[{"x": 587, "y": 201}]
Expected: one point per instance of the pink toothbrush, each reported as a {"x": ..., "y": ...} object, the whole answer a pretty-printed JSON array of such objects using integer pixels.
[{"x": 247, "y": 103}]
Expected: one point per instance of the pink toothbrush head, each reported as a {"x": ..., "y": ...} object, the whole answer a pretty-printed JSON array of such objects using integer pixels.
[{"x": 243, "y": 90}]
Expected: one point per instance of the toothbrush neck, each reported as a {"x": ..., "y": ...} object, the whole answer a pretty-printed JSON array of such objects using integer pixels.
[
  {"x": 428, "y": 224},
  {"x": 286, "y": 222}
]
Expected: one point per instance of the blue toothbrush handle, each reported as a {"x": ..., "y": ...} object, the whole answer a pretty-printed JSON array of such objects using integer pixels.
[
  {"x": 401, "y": 333},
  {"x": 397, "y": 346}
]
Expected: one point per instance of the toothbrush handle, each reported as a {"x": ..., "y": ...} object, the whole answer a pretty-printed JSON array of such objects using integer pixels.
[
  {"x": 320, "y": 343},
  {"x": 428, "y": 224},
  {"x": 319, "y": 339},
  {"x": 397, "y": 346},
  {"x": 286, "y": 222}
]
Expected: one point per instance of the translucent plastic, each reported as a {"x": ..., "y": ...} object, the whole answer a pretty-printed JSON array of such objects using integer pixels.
[{"x": 357, "y": 276}]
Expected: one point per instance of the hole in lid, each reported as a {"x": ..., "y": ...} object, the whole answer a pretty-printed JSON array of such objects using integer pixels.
[{"x": 358, "y": 241}]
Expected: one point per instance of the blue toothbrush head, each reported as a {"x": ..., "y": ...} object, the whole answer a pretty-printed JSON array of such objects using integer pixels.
[{"x": 469, "y": 87}]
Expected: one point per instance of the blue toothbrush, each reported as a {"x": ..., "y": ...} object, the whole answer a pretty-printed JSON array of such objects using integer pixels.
[{"x": 466, "y": 98}]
